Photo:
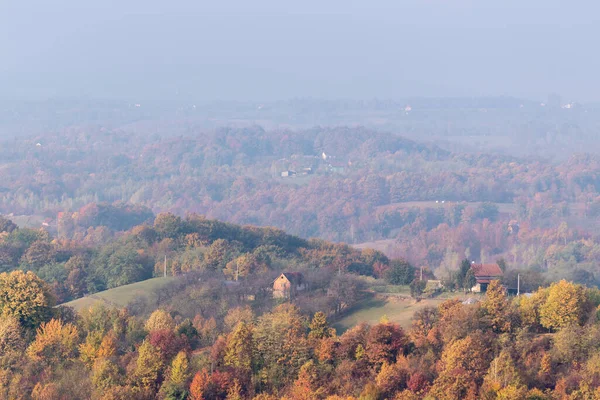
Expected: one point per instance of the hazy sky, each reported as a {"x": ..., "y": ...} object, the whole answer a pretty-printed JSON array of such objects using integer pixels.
[{"x": 278, "y": 49}]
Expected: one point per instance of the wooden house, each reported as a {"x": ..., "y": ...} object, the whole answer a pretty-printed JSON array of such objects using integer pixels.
[
  {"x": 484, "y": 274},
  {"x": 288, "y": 284}
]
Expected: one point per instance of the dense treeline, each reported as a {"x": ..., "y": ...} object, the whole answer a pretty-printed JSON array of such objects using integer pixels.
[
  {"x": 544, "y": 346},
  {"x": 232, "y": 174},
  {"x": 362, "y": 186}
]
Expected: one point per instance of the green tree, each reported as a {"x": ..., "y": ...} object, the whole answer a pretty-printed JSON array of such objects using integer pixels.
[
  {"x": 469, "y": 281},
  {"x": 465, "y": 267},
  {"x": 400, "y": 272},
  {"x": 39, "y": 254},
  {"x": 319, "y": 328},
  {"x": 120, "y": 264},
  {"x": 502, "y": 264},
  {"x": 417, "y": 287},
  {"x": 6, "y": 225},
  {"x": 168, "y": 225},
  {"x": 106, "y": 374}
]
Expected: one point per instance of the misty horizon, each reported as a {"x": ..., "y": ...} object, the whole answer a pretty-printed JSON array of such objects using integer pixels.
[{"x": 267, "y": 51}]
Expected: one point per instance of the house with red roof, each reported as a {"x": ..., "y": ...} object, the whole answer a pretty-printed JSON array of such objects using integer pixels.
[{"x": 484, "y": 274}]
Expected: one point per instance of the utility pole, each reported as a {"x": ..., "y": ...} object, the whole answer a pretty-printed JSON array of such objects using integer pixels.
[
  {"x": 518, "y": 284},
  {"x": 165, "y": 267},
  {"x": 421, "y": 273}
]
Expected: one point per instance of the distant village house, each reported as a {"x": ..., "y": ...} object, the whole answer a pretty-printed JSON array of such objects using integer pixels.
[
  {"x": 288, "y": 284},
  {"x": 484, "y": 274}
]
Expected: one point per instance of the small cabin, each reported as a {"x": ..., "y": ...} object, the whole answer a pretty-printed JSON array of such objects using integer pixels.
[
  {"x": 288, "y": 173},
  {"x": 484, "y": 274},
  {"x": 288, "y": 284}
]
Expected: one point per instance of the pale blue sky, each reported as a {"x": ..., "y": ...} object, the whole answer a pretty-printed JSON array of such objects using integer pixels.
[{"x": 268, "y": 49}]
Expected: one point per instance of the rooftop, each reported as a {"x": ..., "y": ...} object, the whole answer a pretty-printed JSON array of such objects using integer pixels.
[{"x": 484, "y": 270}]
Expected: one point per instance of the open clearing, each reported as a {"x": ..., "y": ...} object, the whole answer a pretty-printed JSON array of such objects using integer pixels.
[
  {"x": 398, "y": 309},
  {"x": 395, "y": 309},
  {"x": 120, "y": 296}
]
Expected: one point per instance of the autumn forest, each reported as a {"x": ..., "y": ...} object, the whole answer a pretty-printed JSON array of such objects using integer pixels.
[{"x": 365, "y": 206}]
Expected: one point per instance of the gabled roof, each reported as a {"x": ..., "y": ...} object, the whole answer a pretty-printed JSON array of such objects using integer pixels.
[
  {"x": 481, "y": 270},
  {"x": 294, "y": 277}
]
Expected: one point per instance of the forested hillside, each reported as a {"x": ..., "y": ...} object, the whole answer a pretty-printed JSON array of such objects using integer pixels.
[
  {"x": 354, "y": 185},
  {"x": 250, "y": 256},
  {"x": 144, "y": 192}
]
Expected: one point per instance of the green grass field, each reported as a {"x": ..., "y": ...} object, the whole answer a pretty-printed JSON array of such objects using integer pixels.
[
  {"x": 397, "y": 309},
  {"x": 120, "y": 296},
  {"x": 372, "y": 310}
]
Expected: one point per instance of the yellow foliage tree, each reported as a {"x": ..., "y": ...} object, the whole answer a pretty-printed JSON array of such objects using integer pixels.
[
  {"x": 54, "y": 342},
  {"x": 240, "y": 348},
  {"x": 159, "y": 320},
  {"x": 108, "y": 347},
  {"x": 89, "y": 349},
  {"x": 497, "y": 307},
  {"x": 512, "y": 392},
  {"x": 391, "y": 378},
  {"x": 564, "y": 305},
  {"x": 529, "y": 307},
  {"x": 235, "y": 391},
  {"x": 463, "y": 365},
  {"x": 25, "y": 297},
  {"x": 179, "y": 369},
  {"x": 148, "y": 366}
]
